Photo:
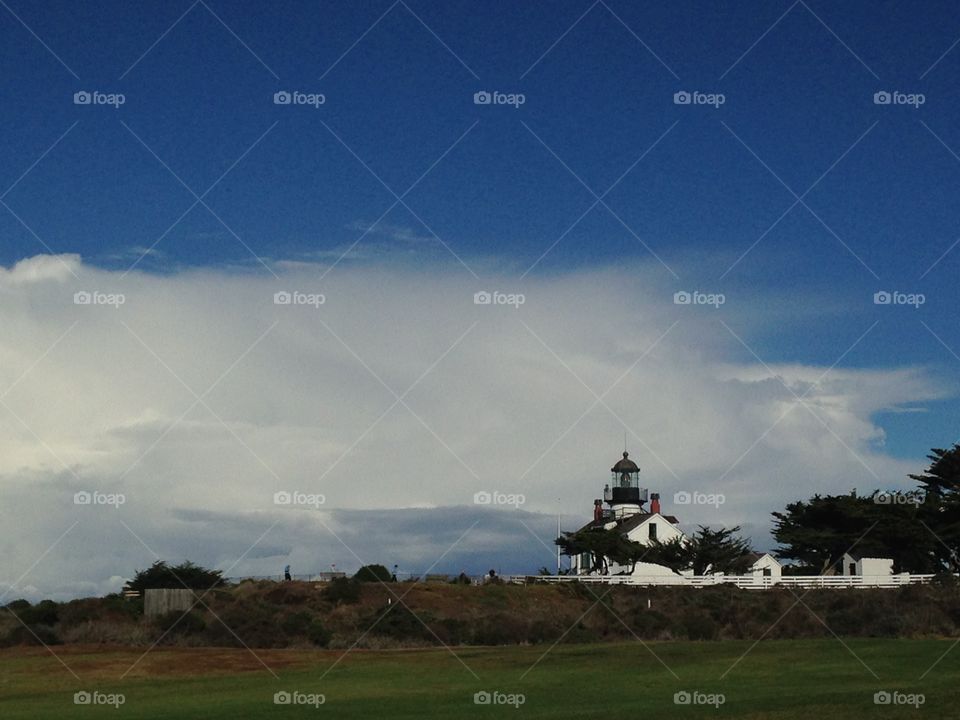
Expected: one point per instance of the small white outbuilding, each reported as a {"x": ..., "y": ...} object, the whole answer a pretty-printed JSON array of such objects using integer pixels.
[
  {"x": 766, "y": 569},
  {"x": 871, "y": 569}
]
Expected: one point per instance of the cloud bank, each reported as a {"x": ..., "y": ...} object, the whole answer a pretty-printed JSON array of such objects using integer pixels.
[{"x": 396, "y": 398}]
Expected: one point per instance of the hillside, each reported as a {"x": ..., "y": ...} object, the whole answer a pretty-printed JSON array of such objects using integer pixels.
[{"x": 267, "y": 614}]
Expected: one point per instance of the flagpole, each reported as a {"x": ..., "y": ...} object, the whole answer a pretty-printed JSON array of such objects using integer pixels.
[{"x": 558, "y": 535}]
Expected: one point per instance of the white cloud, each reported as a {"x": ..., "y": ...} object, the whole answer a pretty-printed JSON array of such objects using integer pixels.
[{"x": 297, "y": 397}]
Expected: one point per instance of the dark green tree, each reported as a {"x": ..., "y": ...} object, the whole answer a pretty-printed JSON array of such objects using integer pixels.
[
  {"x": 940, "y": 510},
  {"x": 186, "y": 574},
  {"x": 817, "y": 532},
  {"x": 604, "y": 546},
  {"x": 708, "y": 550}
]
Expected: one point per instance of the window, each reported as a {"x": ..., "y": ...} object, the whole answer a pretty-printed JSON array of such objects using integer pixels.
[
  {"x": 766, "y": 572},
  {"x": 653, "y": 531},
  {"x": 852, "y": 569}
]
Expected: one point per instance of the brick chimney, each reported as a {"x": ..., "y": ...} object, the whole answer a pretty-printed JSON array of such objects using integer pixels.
[
  {"x": 597, "y": 510},
  {"x": 654, "y": 503}
]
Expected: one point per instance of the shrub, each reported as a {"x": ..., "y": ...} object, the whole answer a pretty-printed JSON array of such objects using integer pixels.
[
  {"x": 296, "y": 623},
  {"x": 373, "y": 573},
  {"x": 175, "y": 623},
  {"x": 249, "y": 620},
  {"x": 318, "y": 634},
  {"x": 342, "y": 591},
  {"x": 31, "y": 635},
  {"x": 46, "y": 612},
  {"x": 650, "y": 624},
  {"x": 401, "y": 623},
  {"x": 698, "y": 626}
]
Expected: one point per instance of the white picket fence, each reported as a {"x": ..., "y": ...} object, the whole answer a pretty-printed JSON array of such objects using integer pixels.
[{"x": 748, "y": 582}]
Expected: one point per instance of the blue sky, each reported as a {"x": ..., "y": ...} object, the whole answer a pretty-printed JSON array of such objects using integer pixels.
[
  {"x": 798, "y": 197},
  {"x": 598, "y": 79}
]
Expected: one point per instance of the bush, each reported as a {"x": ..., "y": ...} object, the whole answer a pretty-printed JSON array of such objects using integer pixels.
[
  {"x": 373, "y": 573},
  {"x": 401, "y": 623},
  {"x": 31, "y": 635},
  {"x": 46, "y": 612},
  {"x": 342, "y": 591},
  {"x": 698, "y": 626},
  {"x": 650, "y": 624},
  {"x": 172, "y": 624},
  {"x": 318, "y": 634},
  {"x": 251, "y": 621},
  {"x": 295, "y": 624}
]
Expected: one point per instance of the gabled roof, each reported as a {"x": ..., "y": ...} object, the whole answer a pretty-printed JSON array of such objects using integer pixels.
[
  {"x": 857, "y": 556},
  {"x": 635, "y": 521},
  {"x": 630, "y": 523}
]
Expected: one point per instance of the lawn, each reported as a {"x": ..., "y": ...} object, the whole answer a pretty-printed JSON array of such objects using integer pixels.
[{"x": 822, "y": 679}]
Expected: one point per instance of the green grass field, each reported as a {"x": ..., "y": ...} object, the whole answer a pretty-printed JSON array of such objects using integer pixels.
[{"x": 779, "y": 679}]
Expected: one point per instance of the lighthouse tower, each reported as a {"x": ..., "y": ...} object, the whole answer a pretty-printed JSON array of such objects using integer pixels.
[{"x": 624, "y": 494}]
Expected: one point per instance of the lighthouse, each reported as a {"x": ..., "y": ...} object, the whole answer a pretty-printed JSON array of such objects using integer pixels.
[{"x": 625, "y": 513}]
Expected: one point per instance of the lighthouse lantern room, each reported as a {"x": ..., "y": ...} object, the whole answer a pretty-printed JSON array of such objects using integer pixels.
[{"x": 624, "y": 494}]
